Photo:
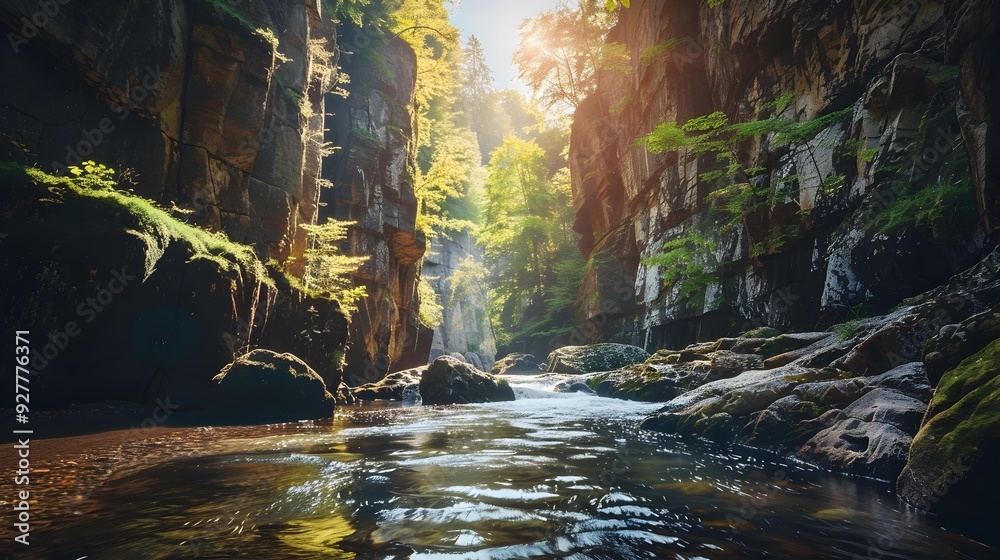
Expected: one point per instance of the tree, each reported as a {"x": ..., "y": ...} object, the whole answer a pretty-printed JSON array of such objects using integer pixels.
[
  {"x": 328, "y": 270},
  {"x": 561, "y": 50},
  {"x": 480, "y": 100},
  {"x": 527, "y": 240}
]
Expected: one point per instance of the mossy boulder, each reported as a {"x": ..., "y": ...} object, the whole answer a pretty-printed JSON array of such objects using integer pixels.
[
  {"x": 593, "y": 358},
  {"x": 956, "y": 342},
  {"x": 450, "y": 381},
  {"x": 264, "y": 386},
  {"x": 391, "y": 387},
  {"x": 955, "y": 456}
]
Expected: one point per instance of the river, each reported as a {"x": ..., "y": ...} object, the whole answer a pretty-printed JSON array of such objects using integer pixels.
[{"x": 546, "y": 476}]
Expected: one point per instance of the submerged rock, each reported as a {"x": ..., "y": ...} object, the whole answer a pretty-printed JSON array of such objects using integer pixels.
[
  {"x": 594, "y": 358},
  {"x": 573, "y": 387},
  {"x": 450, "y": 381},
  {"x": 264, "y": 386}
]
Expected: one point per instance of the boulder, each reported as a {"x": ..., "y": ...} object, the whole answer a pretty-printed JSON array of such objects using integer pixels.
[
  {"x": 517, "y": 364},
  {"x": 856, "y": 446},
  {"x": 870, "y": 437},
  {"x": 390, "y": 387},
  {"x": 264, "y": 386},
  {"x": 594, "y": 358},
  {"x": 954, "y": 457},
  {"x": 573, "y": 387},
  {"x": 450, "y": 381},
  {"x": 956, "y": 342}
]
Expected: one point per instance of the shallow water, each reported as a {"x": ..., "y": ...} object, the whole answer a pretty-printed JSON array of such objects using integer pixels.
[{"x": 547, "y": 476}]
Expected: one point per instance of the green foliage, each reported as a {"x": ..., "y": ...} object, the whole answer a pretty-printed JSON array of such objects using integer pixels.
[
  {"x": 659, "y": 51},
  {"x": 329, "y": 272},
  {"x": 689, "y": 264},
  {"x": 619, "y": 106},
  {"x": 561, "y": 50},
  {"x": 804, "y": 131},
  {"x": 666, "y": 137},
  {"x": 233, "y": 11},
  {"x": 363, "y": 13},
  {"x": 93, "y": 175},
  {"x": 431, "y": 313},
  {"x": 527, "y": 241},
  {"x": 944, "y": 208},
  {"x": 780, "y": 103}
]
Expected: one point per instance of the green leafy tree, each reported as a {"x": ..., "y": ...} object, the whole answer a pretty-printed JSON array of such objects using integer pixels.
[
  {"x": 561, "y": 50},
  {"x": 329, "y": 272},
  {"x": 480, "y": 101},
  {"x": 527, "y": 240}
]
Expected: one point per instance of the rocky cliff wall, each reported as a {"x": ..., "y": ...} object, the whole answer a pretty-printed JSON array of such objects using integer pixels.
[
  {"x": 466, "y": 325},
  {"x": 908, "y": 85},
  {"x": 215, "y": 106},
  {"x": 220, "y": 108},
  {"x": 372, "y": 185}
]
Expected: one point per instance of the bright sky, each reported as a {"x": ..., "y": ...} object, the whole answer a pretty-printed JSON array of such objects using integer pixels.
[{"x": 495, "y": 23}]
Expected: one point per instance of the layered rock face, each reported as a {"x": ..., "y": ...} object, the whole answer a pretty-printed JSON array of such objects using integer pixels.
[
  {"x": 466, "y": 325},
  {"x": 372, "y": 185},
  {"x": 215, "y": 106},
  {"x": 908, "y": 87},
  {"x": 220, "y": 108}
]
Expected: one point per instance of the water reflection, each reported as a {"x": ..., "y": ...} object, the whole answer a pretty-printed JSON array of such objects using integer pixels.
[{"x": 566, "y": 476}]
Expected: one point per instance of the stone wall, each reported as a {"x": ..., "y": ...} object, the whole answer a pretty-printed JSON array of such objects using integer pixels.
[
  {"x": 372, "y": 185},
  {"x": 914, "y": 84},
  {"x": 214, "y": 106}
]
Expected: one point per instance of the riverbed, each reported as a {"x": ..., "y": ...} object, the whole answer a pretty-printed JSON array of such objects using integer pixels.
[{"x": 546, "y": 476}]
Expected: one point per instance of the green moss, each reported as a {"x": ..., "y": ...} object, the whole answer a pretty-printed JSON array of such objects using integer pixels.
[
  {"x": 143, "y": 218},
  {"x": 964, "y": 417},
  {"x": 365, "y": 135},
  {"x": 761, "y": 332},
  {"x": 810, "y": 409}
]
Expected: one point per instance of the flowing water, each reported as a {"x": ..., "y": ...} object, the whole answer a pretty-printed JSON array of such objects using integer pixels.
[{"x": 547, "y": 476}]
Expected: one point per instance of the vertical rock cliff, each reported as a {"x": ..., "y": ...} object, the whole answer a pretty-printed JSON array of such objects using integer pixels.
[
  {"x": 372, "y": 185},
  {"x": 218, "y": 109},
  {"x": 451, "y": 266},
  {"x": 214, "y": 106},
  {"x": 892, "y": 103}
]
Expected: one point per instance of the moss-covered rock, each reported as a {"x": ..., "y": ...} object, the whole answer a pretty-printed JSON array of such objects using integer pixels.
[
  {"x": 956, "y": 342},
  {"x": 594, "y": 358},
  {"x": 956, "y": 454},
  {"x": 390, "y": 387},
  {"x": 264, "y": 386},
  {"x": 449, "y": 381}
]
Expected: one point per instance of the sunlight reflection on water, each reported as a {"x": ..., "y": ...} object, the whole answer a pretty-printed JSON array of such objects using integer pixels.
[{"x": 554, "y": 476}]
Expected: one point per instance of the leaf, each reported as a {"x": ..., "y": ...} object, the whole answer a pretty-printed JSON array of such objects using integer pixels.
[
  {"x": 626, "y": 3},
  {"x": 610, "y": 5}
]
